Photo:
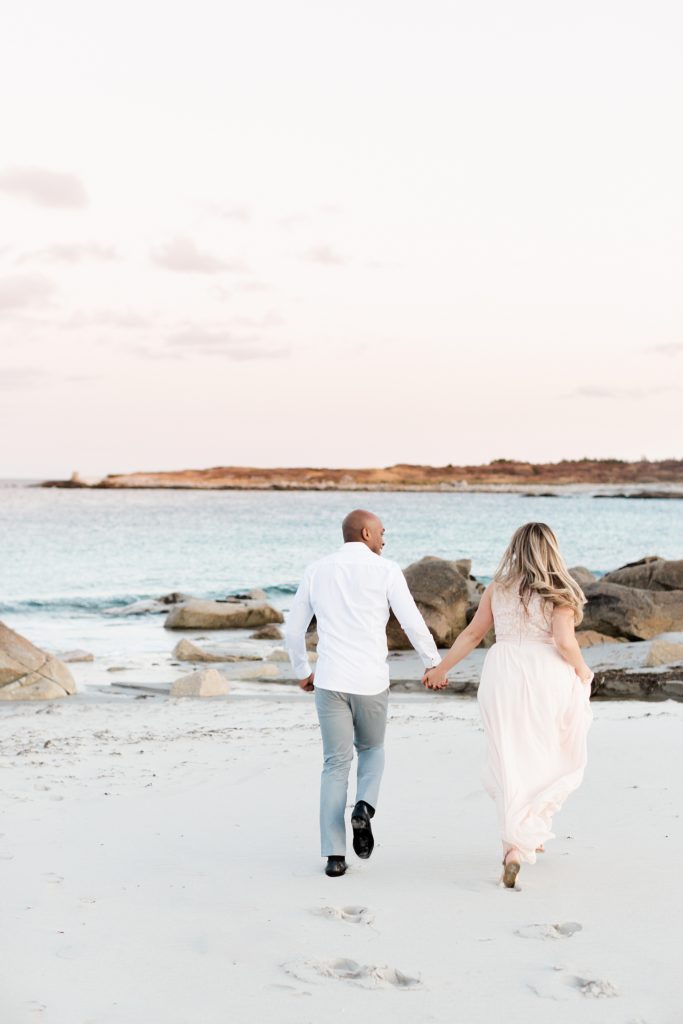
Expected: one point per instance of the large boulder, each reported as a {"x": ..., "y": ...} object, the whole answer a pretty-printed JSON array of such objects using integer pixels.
[
  {"x": 442, "y": 594},
  {"x": 196, "y": 614},
  {"x": 589, "y": 638},
  {"x": 584, "y": 577},
  {"x": 630, "y": 612},
  {"x": 27, "y": 673},
  {"x": 651, "y": 573},
  {"x": 207, "y": 683}
]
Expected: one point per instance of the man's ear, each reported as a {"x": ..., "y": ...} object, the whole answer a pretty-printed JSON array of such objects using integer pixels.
[{"x": 365, "y": 533}]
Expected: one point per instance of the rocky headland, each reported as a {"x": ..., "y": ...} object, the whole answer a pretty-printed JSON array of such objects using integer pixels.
[{"x": 500, "y": 474}]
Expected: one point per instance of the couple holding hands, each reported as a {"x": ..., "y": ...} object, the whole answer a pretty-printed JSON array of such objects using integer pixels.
[{"x": 533, "y": 694}]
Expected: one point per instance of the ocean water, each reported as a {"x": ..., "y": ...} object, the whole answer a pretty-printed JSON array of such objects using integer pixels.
[{"x": 67, "y": 555}]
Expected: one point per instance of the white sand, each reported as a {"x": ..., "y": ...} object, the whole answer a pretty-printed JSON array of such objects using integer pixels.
[{"x": 159, "y": 865}]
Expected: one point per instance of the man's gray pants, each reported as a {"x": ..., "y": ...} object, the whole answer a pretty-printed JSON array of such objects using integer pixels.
[{"x": 348, "y": 720}]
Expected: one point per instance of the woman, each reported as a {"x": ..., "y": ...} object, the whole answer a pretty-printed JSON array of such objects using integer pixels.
[{"x": 534, "y": 691}]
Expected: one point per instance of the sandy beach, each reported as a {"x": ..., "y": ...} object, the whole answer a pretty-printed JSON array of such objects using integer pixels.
[{"x": 160, "y": 863}]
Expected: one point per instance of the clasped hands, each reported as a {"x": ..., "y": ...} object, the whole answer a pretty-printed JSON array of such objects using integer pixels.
[{"x": 435, "y": 678}]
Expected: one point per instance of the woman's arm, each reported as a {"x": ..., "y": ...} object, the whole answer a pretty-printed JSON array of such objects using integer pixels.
[
  {"x": 436, "y": 678},
  {"x": 566, "y": 642}
]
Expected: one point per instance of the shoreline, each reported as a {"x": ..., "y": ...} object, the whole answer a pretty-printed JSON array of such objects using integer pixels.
[{"x": 568, "y": 490}]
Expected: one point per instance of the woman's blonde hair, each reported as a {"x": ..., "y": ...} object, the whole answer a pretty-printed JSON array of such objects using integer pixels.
[{"x": 533, "y": 564}]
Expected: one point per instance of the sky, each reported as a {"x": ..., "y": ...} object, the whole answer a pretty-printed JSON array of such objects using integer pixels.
[{"x": 304, "y": 232}]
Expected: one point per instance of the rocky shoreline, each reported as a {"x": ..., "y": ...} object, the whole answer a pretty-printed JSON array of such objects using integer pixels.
[
  {"x": 632, "y": 634},
  {"x": 500, "y": 474}
]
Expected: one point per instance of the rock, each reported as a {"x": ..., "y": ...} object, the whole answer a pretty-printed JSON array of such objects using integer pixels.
[
  {"x": 40, "y": 689},
  {"x": 176, "y": 597},
  {"x": 582, "y": 575},
  {"x": 625, "y": 684},
  {"x": 221, "y": 615},
  {"x": 185, "y": 650},
  {"x": 27, "y": 673},
  {"x": 280, "y": 654},
  {"x": 631, "y": 612},
  {"x": 591, "y": 638},
  {"x": 664, "y": 652},
  {"x": 207, "y": 683},
  {"x": 441, "y": 592},
  {"x": 269, "y": 632},
  {"x": 72, "y": 656},
  {"x": 651, "y": 573},
  {"x": 312, "y": 640}
]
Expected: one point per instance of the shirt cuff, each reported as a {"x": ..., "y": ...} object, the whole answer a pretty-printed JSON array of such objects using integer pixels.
[{"x": 431, "y": 662}]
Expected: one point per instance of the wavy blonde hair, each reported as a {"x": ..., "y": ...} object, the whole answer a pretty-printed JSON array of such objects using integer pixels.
[{"x": 532, "y": 563}]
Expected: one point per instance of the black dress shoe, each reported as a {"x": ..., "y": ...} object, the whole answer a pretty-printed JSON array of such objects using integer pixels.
[
  {"x": 363, "y": 840},
  {"x": 335, "y": 867}
]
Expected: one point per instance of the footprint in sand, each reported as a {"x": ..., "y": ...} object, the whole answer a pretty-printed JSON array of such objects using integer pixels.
[
  {"x": 52, "y": 878},
  {"x": 343, "y": 969},
  {"x": 557, "y": 984},
  {"x": 595, "y": 988},
  {"x": 352, "y": 915},
  {"x": 549, "y": 931}
]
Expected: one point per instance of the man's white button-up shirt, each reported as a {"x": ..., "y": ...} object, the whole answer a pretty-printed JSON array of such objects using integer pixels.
[{"x": 351, "y": 593}]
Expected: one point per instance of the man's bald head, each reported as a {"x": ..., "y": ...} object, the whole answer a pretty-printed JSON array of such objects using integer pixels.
[{"x": 364, "y": 527}]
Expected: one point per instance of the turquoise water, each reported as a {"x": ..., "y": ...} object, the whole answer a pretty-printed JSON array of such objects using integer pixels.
[{"x": 75, "y": 551}]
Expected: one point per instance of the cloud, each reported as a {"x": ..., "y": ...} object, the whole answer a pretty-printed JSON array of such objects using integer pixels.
[
  {"x": 71, "y": 252},
  {"x": 325, "y": 255},
  {"x": 121, "y": 318},
  {"x": 635, "y": 393},
  {"x": 21, "y": 377},
  {"x": 183, "y": 255},
  {"x": 44, "y": 188},
  {"x": 24, "y": 291},
  {"x": 217, "y": 342},
  {"x": 671, "y": 348}
]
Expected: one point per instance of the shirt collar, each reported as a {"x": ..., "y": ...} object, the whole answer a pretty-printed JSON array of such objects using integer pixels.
[{"x": 355, "y": 545}]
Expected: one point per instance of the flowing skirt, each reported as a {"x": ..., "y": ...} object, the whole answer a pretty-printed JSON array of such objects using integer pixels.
[{"x": 536, "y": 716}]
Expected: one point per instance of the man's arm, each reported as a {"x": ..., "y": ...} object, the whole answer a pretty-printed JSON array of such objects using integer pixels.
[
  {"x": 298, "y": 622},
  {"x": 407, "y": 613}
]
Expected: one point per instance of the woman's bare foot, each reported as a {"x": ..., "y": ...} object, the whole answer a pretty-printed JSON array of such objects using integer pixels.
[
  {"x": 511, "y": 866},
  {"x": 540, "y": 849}
]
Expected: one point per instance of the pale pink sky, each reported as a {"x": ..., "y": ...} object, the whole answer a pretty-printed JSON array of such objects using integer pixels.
[{"x": 288, "y": 233}]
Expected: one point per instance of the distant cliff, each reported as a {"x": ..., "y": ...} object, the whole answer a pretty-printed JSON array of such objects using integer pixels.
[{"x": 501, "y": 473}]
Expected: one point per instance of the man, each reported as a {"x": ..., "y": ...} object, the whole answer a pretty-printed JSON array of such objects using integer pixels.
[{"x": 350, "y": 593}]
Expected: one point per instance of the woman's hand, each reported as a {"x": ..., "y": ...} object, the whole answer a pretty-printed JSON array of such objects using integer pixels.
[
  {"x": 585, "y": 675},
  {"x": 435, "y": 678}
]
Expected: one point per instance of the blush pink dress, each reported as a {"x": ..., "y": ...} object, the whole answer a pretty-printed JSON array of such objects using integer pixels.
[{"x": 536, "y": 716}]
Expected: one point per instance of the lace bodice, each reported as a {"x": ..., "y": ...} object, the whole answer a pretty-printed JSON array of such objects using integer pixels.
[{"x": 515, "y": 623}]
